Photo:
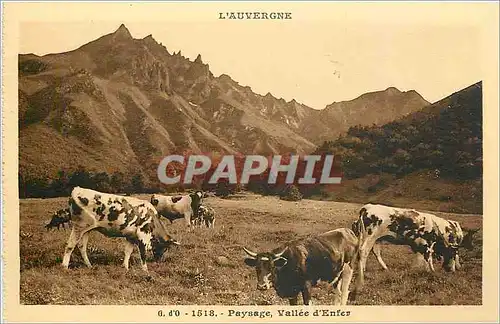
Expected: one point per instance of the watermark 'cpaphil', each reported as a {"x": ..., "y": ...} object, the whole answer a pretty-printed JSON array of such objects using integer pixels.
[{"x": 287, "y": 169}]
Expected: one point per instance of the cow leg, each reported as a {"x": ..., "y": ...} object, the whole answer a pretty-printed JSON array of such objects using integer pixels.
[
  {"x": 129, "y": 248},
  {"x": 347, "y": 273},
  {"x": 367, "y": 246},
  {"x": 73, "y": 240},
  {"x": 430, "y": 262},
  {"x": 377, "y": 252},
  {"x": 458, "y": 266},
  {"x": 187, "y": 218},
  {"x": 453, "y": 265},
  {"x": 294, "y": 300},
  {"x": 337, "y": 295},
  {"x": 306, "y": 293},
  {"x": 362, "y": 258},
  {"x": 142, "y": 251},
  {"x": 361, "y": 274},
  {"x": 82, "y": 246},
  {"x": 428, "y": 256}
]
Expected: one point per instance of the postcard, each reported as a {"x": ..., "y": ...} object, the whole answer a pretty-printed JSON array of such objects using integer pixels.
[{"x": 250, "y": 162}]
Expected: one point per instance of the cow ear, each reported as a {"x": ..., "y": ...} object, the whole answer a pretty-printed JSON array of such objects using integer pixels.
[
  {"x": 251, "y": 262},
  {"x": 280, "y": 262}
]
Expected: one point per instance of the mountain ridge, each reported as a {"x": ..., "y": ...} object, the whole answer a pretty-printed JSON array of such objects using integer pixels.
[{"x": 119, "y": 104}]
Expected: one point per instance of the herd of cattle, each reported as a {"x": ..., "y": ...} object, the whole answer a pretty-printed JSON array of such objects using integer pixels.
[{"x": 292, "y": 269}]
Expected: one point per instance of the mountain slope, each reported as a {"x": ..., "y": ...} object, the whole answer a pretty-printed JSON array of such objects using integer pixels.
[
  {"x": 433, "y": 156},
  {"x": 122, "y": 104}
]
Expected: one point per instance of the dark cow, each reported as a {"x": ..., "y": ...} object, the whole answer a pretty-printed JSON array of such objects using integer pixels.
[
  {"x": 177, "y": 207},
  {"x": 115, "y": 216},
  {"x": 59, "y": 218},
  {"x": 300, "y": 264},
  {"x": 426, "y": 234}
]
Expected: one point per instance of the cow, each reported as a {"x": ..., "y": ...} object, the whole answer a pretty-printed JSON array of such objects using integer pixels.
[
  {"x": 115, "y": 216},
  {"x": 177, "y": 207},
  {"x": 206, "y": 215},
  {"x": 59, "y": 218},
  {"x": 301, "y": 264},
  {"x": 426, "y": 234}
]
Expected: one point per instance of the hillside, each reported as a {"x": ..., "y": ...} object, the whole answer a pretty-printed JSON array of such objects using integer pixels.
[
  {"x": 119, "y": 104},
  {"x": 433, "y": 156}
]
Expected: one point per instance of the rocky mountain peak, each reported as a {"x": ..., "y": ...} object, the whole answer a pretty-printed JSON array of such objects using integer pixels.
[
  {"x": 149, "y": 38},
  {"x": 122, "y": 33},
  {"x": 198, "y": 59}
]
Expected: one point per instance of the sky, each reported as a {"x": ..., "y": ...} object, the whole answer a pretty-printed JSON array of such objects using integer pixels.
[{"x": 327, "y": 52}]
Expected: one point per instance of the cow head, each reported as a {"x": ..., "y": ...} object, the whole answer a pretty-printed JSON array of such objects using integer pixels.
[
  {"x": 161, "y": 244},
  {"x": 196, "y": 200},
  {"x": 449, "y": 257},
  {"x": 59, "y": 218},
  {"x": 468, "y": 240},
  {"x": 453, "y": 240},
  {"x": 154, "y": 200},
  {"x": 266, "y": 265},
  {"x": 448, "y": 252}
]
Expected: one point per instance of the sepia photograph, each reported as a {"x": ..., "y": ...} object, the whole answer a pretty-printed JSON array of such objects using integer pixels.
[{"x": 249, "y": 155}]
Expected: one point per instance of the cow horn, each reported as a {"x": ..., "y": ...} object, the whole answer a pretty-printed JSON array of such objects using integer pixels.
[
  {"x": 250, "y": 253},
  {"x": 277, "y": 255}
]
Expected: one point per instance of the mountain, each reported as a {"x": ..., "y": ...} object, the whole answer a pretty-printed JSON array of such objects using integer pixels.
[
  {"x": 377, "y": 108},
  {"x": 433, "y": 156},
  {"x": 122, "y": 104}
]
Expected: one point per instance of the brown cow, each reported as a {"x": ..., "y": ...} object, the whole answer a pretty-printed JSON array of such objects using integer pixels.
[{"x": 300, "y": 264}]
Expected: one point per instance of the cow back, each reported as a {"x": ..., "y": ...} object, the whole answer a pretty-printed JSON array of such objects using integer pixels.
[{"x": 103, "y": 210}]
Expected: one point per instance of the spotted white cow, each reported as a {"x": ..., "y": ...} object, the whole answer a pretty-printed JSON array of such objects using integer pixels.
[
  {"x": 177, "y": 207},
  {"x": 206, "y": 215},
  {"x": 115, "y": 216},
  {"x": 425, "y": 233}
]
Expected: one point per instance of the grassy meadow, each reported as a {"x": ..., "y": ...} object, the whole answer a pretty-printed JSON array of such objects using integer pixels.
[{"x": 208, "y": 268}]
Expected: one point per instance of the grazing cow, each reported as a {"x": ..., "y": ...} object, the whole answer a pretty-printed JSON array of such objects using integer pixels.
[
  {"x": 115, "y": 216},
  {"x": 59, "y": 218},
  {"x": 206, "y": 215},
  {"x": 176, "y": 207},
  {"x": 297, "y": 267},
  {"x": 426, "y": 234}
]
